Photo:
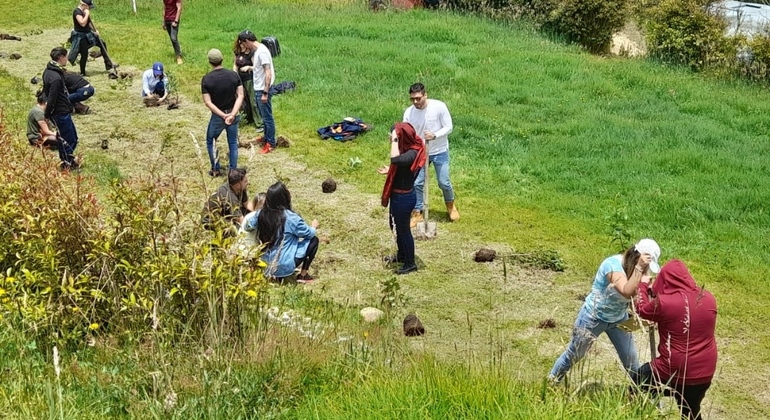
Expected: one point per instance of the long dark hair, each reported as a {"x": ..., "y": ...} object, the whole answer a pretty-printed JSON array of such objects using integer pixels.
[
  {"x": 630, "y": 259},
  {"x": 273, "y": 215}
]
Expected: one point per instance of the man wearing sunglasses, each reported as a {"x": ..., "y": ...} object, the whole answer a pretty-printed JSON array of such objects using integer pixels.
[{"x": 431, "y": 120}]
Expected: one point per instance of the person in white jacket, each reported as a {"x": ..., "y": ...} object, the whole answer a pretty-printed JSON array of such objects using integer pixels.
[{"x": 432, "y": 121}]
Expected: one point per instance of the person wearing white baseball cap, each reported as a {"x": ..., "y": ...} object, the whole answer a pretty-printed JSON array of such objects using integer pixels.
[{"x": 615, "y": 284}]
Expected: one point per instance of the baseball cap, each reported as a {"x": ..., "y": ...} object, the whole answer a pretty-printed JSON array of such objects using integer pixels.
[
  {"x": 215, "y": 56},
  {"x": 648, "y": 246},
  {"x": 90, "y": 3},
  {"x": 157, "y": 68},
  {"x": 247, "y": 35}
]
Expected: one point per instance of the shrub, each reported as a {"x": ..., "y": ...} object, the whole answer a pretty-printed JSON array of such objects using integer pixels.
[
  {"x": 686, "y": 32},
  {"x": 72, "y": 267},
  {"x": 589, "y": 23}
]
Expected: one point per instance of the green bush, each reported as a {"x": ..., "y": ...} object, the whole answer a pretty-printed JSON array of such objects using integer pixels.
[
  {"x": 684, "y": 32},
  {"x": 589, "y": 23},
  {"x": 72, "y": 267}
]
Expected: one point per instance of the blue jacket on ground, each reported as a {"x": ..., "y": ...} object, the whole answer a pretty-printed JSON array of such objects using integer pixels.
[{"x": 296, "y": 238}]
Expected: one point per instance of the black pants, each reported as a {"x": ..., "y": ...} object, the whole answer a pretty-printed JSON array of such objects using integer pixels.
[
  {"x": 312, "y": 249},
  {"x": 688, "y": 397},
  {"x": 83, "y": 51}
]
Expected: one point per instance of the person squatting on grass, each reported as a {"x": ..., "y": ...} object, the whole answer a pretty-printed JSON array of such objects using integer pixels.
[
  {"x": 431, "y": 119},
  {"x": 615, "y": 284},
  {"x": 226, "y": 207},
  {"x": 223, "y": 95},
  {"x": 154, "y": 82},
  {"x": 59, "y": 108},
  {"x": 172, "y": 12},
  {"x": 686, "y": 316},
  {"x": 83, "y": 37},
  {"x": 39, "y": 133},
  {"x": 264, "y": 77},
  {"x": 243, "y": 64},
  {"x": 290, "y": 242},
  {"x": 79, "y": 90},
  {"x": 407, "y": 158}
]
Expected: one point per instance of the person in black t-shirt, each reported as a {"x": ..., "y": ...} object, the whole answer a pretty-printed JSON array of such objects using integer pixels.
[
  {"x": 223, "y": 94},
  {"x": 85, "y": 36},
  {"x": 79, "y": 90},
  {"x": 244, "y": 66}
]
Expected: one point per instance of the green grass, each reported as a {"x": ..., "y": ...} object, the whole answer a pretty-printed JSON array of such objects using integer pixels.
[{"x": 548, "y": 142}]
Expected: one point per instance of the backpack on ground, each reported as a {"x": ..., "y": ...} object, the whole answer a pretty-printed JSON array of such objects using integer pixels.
[
  {"x": 345, "y": 130},
  {"x": 272, "y": 44}
]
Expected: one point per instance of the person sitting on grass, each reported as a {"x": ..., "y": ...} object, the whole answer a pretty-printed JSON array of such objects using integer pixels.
[
  {"x": 154, "y": 83},
  {"x": 226, "y": 207},
  {"x": 290, "y": 242},
  {"x": 615, "y": 284},
  {"x": 39, "y": 132},
  {"x": 686, "y": 316}
]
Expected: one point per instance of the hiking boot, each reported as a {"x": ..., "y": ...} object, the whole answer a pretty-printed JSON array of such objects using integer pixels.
[
  {"x": 406, "y": 269},
  {"x": 416, "y": 218},
  {"x": 266, "y": 149},
  {"x": 179, "y": 60},
  {"x": 215, "y": 173},
  {"x": 81, "y": 109},
  {"x": 454, "y": 215}
]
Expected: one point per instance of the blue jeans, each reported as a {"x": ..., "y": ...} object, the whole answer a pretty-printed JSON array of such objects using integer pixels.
[
  {"x": 81, "y": 94},
  {"x": 266, "y": 112},
  {"x": 160, "y": 89},
  {"x": 586, "y": 330},
  {"x": 68, "y": 137},
  {"x": 401, "y": 206},
  {"x": 441, "y": 164},
  {"x": 216, "y": 125},
  {"x": 173, "y": 33}
]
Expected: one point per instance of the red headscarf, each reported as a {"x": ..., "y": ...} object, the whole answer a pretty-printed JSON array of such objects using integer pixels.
[{"x": 407, "y": 139}]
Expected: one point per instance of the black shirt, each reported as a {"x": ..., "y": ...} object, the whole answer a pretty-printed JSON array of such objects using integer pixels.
[
  {"x": 245, "y": 59},
  {"x": 222, "y": 85},
  {"x": 74, "y": 81},
  {"x": 75, "y": 13},
  {"x": 404, "y": 178}
]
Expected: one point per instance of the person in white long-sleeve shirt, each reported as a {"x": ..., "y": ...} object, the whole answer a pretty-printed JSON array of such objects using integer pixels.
[
  {"x": 154, "y": 82},
  {"x": 432, "y": 121}
]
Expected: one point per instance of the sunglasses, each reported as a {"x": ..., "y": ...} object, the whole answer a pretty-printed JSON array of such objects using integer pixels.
[{"x": 416, "y": 98}]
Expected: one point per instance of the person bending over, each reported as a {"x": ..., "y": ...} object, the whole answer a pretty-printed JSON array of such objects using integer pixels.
[
  {"x": 615, "y": 283},
  {"x": 80, "y": 90},
  {"x": 407, "y": 158},
  {"x": 687, "y": 350},
  {"x": 290, "y": 242},
  {"x": 39, "y": 132},
  {"x": 154, "y": 82}
]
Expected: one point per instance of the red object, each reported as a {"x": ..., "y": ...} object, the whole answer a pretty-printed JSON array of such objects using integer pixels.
[
  {"x": 407, "y": 139},
  {"x": 169, "y": 10},
  {"x": 267, "y": 148},
  {"x": 686, "y": 317}
]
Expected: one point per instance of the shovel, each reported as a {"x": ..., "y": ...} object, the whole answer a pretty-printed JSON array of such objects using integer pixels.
[{"x": 426, "y": 229}]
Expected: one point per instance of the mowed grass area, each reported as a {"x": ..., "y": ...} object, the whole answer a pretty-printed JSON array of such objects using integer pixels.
[{"x": 549, "y": 143}]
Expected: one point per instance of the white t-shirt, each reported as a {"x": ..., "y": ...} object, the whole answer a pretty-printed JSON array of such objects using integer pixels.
[
  {"x": 435, "y": 118},
  {"x": 261, "y": 57}
]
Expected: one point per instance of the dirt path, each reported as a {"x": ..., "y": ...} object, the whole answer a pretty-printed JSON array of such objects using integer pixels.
[{"x": 471, "y": 311}]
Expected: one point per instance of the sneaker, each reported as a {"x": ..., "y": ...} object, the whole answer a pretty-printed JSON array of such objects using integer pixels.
[
  {"x": 406, "y": 269},
  {"x": 179, "y": 60},
  {"x": 216, "y": 172},
  {"x": 266, "y": 149},
  {"x": 307, "y": 278}
]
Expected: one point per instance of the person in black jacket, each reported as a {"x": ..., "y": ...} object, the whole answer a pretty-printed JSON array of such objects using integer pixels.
[
  {"x": 79, "y": 90},
  {"x": 59, "y": 108}
]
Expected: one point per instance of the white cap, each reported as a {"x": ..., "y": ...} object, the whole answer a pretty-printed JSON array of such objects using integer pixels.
[{"x": 649, "y": 246}]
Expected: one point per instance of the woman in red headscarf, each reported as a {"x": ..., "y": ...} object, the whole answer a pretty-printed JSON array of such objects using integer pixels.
[
  {"x": 407, "y": 157},
  {"x": 687, "y": 350}
]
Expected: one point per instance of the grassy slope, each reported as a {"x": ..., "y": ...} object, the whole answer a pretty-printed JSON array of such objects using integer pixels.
[{"x": 548, "y": 141}]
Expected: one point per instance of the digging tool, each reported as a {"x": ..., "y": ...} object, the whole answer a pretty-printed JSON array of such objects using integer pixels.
[
  {"x": 112, "y": 73},
  {"x": 652, "y": 341},
  {"x": 426, "y": 229}
]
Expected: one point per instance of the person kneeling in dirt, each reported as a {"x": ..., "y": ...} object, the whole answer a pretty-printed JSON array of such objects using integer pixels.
[
  {"x": 39, "y": 132},
  {"x": 154, "y": 84},
  {"x": 79, "y": 90},
  {"x": 291, "y": 243},
  {"x": 226, "y": 207},
  {"x": 686, "y": 316}
]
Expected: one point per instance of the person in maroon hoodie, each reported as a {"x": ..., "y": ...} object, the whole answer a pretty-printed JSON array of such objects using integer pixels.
[{"x": 686, "y": 316}]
